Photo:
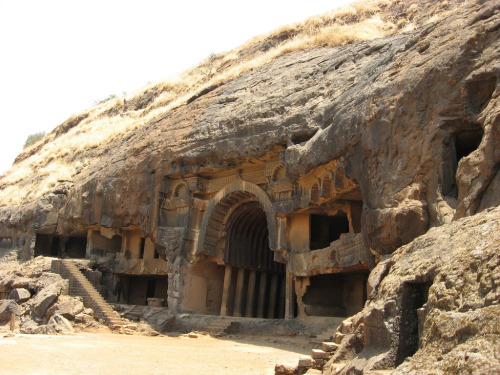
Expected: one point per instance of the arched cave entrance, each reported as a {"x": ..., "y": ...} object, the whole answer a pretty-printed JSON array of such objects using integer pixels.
[{"x": 254, "y": 284}]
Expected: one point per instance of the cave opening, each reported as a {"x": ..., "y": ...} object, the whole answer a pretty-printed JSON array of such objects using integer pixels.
[
  {"x": 414, "y": 296},
  {"x": 467, "y": 141},
  {"x": 326, "y": 229},
  {"x": 336, "y": 295},
  {"x": 5, "y": 242},
  {"x": 465, "y": 137},
  {"x": 76, "y": 247},
  {"x": 136, "y": 290},
  {"x": 43, "y": 245},
  {"x": 254, "y": 284}
]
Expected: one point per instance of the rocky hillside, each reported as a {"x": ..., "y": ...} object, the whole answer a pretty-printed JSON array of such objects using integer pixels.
[
  {"x": 444, "y": 287},
  {"x": 407, "y": 105}
]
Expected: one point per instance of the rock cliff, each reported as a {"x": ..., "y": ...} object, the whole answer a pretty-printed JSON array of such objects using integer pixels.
[
  {"x": 439, "y": 294},
  {"x": 405, "y": 113}
]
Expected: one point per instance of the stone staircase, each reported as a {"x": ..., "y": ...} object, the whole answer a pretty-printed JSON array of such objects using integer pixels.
[
  {"x": 222, "y": 326},
  {"x": 327, "y": 335},
  {"x": 312, "y": 364},
  {"x": 79, "y": 285}
]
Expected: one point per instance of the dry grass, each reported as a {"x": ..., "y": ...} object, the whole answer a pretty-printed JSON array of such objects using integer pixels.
[{"x": 59, "y": 155}]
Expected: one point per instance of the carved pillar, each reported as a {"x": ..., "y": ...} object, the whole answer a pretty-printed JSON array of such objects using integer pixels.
[
  {"x": 225, "y": 291},
  {"x": 273, "y": 296},
  {"x": 281, "y": 299},
  {"x": 240, "y": 292},
  {"x": 289, "y": 305},
  {"x": 251, "y": 293},
  {"x": 262, "y": 295}
]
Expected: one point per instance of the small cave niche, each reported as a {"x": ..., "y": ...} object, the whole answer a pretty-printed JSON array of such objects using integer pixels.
[
  {"x": 340, "y": 294},
  {"x": 467, "y": 141},
  {"x": 76, "y": 247},
  {"x": 465, "y": 137},
  {"x": 135, "y": 290},
  {"x": 326, "y": 229},
  {"x": 301, "y": 137},
  {"x": 46, "y": 245},
  {"x": 413, "y": 298},
  {"x": 5, "y": 242}
]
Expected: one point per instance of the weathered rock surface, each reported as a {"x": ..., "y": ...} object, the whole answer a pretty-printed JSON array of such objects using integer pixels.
[
  {"x": 441, "y": 296},
  {"x": 20, "y": 295},
  {"x": 395, "y": 106},
  {"x": 66, "y": 306},
  {"x": 46, "y": 296},
  {"x": 59, "y": 324},
  {"x": 9, "y": 307},
  {"x": 30, "y": 327}
]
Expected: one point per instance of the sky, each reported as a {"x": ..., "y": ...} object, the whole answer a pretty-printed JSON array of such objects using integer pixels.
[{"x": 58, "y": 58}]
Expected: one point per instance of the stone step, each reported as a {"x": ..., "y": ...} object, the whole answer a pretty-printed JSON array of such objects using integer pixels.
[
  {"x": 328, "y": 346},
  {"x": 222, "y": 326},
  {"x": 313, "y": 371},
  {"x": 320, "y": 354},
  {"x": 81, "y": 286}
]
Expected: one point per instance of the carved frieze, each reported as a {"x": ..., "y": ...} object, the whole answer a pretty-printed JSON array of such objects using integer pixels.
[{"x": 171, "y": 240}]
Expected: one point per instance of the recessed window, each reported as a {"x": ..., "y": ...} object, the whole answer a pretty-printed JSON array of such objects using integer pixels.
[{"x": 326, "y": 229}]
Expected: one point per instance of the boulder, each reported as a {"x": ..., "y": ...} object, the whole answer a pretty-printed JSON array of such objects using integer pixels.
[
  {"x": 7, "y": 308},
  {"x": 45, "y": 297},
  {"x": 47, "y": 279},
  {"x": 18, "y": 282},
  {"x": 19, "y": 295},
  {"x": 66, "y": 306},
  {"x": 28, "y": 326},
  {"x": 84, "y": 318},
  {"x": 59, "y": 324}
]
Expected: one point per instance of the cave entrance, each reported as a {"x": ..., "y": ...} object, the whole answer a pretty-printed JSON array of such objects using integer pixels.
[
  {"x": 335, "y": 295},
  {"x": 62, "y": 247},
  {"x": 46, "y": 246},
  {"x": 413, "y": 298},
  {"x": 76, "y": 247},
  {"x": 465, "y": 137},
  {"x": 136, "y": 290},
  {"x": 326, "y": 229},
  {"x": 5, "y": 242},
  {"x": 254, "y": 284}
]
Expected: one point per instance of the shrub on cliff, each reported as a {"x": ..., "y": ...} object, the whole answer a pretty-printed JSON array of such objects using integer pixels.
[{"x": 33, "y": 138}]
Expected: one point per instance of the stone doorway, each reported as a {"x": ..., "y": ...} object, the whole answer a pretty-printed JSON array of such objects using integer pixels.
[{"x": 254, "y": 284}]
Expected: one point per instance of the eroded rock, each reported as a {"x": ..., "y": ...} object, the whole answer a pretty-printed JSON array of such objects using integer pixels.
[
  {"x": 67, "y": 306},
  {"x": 46, "y": 296},
  {"x": 9, "y": 307},
  {"x": 20, "y": 295},
  {"x": 59, "y": 324}
]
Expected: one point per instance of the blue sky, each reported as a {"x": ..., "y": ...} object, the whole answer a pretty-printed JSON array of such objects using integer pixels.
[{"x": 59, "y": 57}]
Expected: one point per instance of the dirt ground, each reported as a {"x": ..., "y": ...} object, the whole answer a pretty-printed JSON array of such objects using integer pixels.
[{"x": 101, "y": 353}]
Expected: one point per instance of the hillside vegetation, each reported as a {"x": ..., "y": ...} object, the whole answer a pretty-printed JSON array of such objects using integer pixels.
[{"x": 82, "y": 139}]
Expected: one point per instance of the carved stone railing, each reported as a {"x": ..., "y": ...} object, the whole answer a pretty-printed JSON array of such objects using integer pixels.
[{"x": 347, "y": 252}]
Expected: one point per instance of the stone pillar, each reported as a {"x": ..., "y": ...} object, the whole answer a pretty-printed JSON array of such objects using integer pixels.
[
  {"x": 273, "y": 296},
  {"x": 281, "y": 299},
  {"x": 289, "y": 305},
  {"x": 250, "y": 293},
  {"x": 226, "y": 290},
  {"x": 262, "y": 295},
  {"x": 239, "y": 293}
]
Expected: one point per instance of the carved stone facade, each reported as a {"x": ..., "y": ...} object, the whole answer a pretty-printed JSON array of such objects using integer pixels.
[{"x": 243, "y": 240}]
